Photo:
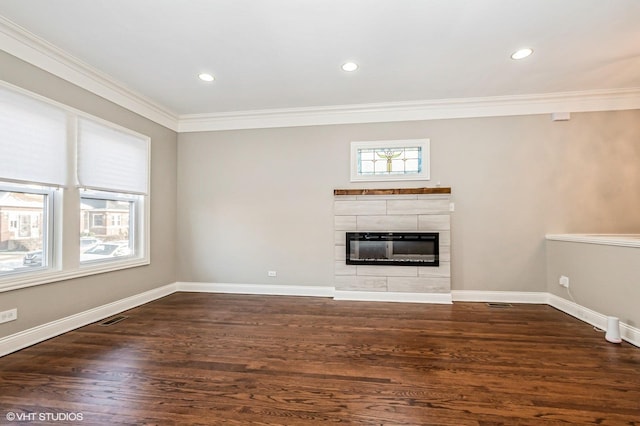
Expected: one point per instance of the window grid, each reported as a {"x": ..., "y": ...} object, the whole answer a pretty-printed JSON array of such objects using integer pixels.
[{"x": 389, "y": 161}]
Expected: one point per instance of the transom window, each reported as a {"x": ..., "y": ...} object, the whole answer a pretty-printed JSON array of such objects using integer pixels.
[{"x": 390, "y": 160}]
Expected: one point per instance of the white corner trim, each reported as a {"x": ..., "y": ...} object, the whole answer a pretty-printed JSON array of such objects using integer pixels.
[
  {"x": 499, "y": 296},
  {"x": 594, "y": 100},
  {"x": 30, "y": 48},
  {"x": 388, "y": 296},
  {"x": 46, "y": 331},
  {"x": 264, "y": 289}
]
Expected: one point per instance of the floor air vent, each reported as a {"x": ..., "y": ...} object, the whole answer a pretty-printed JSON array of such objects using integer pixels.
[
  {"x": 499, "y": 305},
  {"x": 113, "y": 320}
]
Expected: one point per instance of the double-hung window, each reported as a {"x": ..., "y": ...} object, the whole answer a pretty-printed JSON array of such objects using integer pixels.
[
  {"x": 73, "y": 192},
  {"x": 113, "y": 170},
  {"x": 33, "y": 164}
]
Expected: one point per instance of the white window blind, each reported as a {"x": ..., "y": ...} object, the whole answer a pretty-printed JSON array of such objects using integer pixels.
[
  {"x": 112, "y": 160},
  {"x": 33, "y": 140}
]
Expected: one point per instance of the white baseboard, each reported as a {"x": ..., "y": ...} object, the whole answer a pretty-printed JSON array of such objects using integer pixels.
[
  {"x": 499, "y": 296},
  {"x": 580, "y": 312},
  {"x": 630, "y": 334},
  {"x": 387, "y": 296},
  {"x": 43, "y": 332},
  {"x": 46, "y": 331},
  {"x": 274, "y": 290},
  {"x": 627, "y": 332}
]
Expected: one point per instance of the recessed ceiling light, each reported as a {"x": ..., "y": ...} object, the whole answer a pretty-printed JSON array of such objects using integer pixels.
[
  {"x": 349, "y": 66},
  {"x": 206, "y": 77},
  {"x": 522, "y": 53}
]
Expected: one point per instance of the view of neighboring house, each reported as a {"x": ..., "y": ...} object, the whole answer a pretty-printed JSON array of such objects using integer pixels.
[
  {"x": 21, "y": 226},
  {"x": 106, "y": 219}
]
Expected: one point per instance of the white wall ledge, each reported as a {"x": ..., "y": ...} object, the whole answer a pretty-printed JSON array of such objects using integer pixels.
[{"x": 622, "y": 240}]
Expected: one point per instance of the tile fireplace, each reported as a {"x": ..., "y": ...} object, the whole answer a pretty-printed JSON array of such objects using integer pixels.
[{"x": 371, "y": 258}]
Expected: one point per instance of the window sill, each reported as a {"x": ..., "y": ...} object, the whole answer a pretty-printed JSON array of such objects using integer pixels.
[{"x": 16, "y": 282}]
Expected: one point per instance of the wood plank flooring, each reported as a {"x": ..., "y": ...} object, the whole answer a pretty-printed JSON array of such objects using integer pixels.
[{"x": 193, "y": 358}]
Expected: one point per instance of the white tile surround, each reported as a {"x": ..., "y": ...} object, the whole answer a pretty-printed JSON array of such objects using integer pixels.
[{"x": 386, "y": 210}]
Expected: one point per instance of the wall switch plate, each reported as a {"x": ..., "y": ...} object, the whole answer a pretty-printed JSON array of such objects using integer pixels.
[
  {"x": 10, "y": 315},
  {"x": 272, "y": 273},
  {"x": 452, "y": 207}
]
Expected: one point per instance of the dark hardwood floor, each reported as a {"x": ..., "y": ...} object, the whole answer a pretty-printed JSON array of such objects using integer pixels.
[{"x": 194, "y": 358}]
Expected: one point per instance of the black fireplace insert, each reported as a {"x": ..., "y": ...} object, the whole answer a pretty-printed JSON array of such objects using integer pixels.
[{"x": 393, "y": 248}]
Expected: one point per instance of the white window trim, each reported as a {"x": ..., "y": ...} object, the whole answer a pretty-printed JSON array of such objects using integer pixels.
[
  {"x": 141, "y": 245},
  {"x": 424, "y": 174},
  {"x": 65, "y": 228},
  {"x": 134, "y": 223},
  {"x": 47, "y": 277}
]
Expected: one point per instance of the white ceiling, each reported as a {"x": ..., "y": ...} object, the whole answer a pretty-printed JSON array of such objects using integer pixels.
[{"x": 286, "y": 54}]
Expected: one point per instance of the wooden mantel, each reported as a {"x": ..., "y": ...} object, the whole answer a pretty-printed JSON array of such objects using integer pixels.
[{"x": 393, "y": 191}]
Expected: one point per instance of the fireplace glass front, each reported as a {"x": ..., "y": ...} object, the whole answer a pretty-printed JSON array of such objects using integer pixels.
[{"x": 392, "y": 248}]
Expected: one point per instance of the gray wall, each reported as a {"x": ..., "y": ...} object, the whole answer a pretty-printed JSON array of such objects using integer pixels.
[
  {"x": 44, "y": 303},
  {"x": 601, "y": 278},
  {"x": 257, "y": 200}
]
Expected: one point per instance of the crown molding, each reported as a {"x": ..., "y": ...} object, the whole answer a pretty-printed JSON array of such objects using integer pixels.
[
  {"x": 595, "y": 100},
  {"x": 30, "y": 48}
]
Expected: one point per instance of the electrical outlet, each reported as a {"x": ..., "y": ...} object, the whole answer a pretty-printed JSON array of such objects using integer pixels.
[
  {"x": 564, "y": 281},
  {"x": 10, "y": 315},
  {"x": 272, "y": 273}
]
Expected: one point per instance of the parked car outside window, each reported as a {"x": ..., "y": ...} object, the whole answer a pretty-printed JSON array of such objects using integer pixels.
[
  {"x": 88, "y": 242},
  {"x": 108, "y": 250},
  {"x": 33, "y": 258}
]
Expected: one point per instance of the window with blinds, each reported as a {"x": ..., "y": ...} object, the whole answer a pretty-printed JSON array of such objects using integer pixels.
[
  {"x": 48, "y": 150},
  {"x": 33, "y": 145},
  {"x": 33, "y": 161},
  {"x": 112, "y": 160},
  {"x": 113, "y": 173}
]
